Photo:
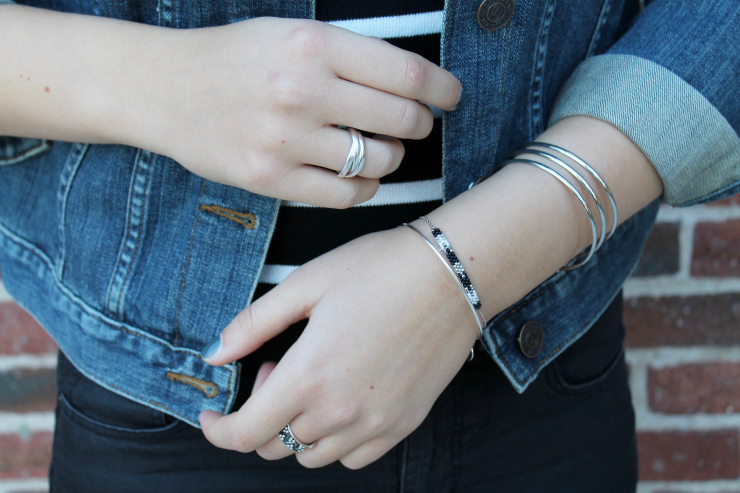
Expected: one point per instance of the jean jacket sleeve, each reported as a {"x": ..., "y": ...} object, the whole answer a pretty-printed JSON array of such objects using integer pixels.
[{"x": 671, "y": 85}]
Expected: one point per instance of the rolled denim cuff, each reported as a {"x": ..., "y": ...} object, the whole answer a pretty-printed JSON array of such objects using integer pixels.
[
  {"x": 693, "y": 147},
  {"x": 6, "y": 2}
]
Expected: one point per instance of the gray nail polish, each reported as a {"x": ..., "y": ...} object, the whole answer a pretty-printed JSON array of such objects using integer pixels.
[
  {"x": 212, "y": 348},
  {"x": 461, "y": 98}
]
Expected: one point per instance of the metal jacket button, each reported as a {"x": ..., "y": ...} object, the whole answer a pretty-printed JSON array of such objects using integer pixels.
[
  {"x": 495, "y": 14},
  {"x": 531, "y": 339}
]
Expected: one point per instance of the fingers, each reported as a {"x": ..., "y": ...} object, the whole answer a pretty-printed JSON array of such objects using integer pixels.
[
  {"x": 322, "y": 187},
  {"x": 330, "y": 149},
  {"x": 375, "y": 111},
  {"x": 286, "y": 303},
  {"x": 376, "y": 63},
  {"x": 262, "y": 374},
  {"x": 367, "y": 452},
  {"x": 260, "y": 419}
]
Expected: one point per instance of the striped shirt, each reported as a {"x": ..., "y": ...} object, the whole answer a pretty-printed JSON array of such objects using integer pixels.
[{"x": 304, "y": 232}]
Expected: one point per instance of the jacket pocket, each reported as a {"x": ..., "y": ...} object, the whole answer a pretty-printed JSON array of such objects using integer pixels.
[{"x": 15, "y": 150}]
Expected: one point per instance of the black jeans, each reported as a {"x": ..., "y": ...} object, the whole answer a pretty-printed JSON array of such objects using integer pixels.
[{"x": 571, "y": 431}]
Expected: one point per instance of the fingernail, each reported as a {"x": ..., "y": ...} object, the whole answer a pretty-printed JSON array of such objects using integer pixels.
[
  {"x": 461, "y": 98},
  {"x": 212, "y": 349}
]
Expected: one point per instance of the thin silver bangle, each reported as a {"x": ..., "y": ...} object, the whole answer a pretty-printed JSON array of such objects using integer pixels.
[
  {"x": 580, "y": 198},
  {"x": 580, "y": 180},
  {"x": 567, "y": 153},
  {"x": 476, "y": 313}
]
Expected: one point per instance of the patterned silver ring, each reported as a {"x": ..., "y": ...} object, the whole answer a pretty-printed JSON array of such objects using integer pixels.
[{"x": 290, "y": 441}]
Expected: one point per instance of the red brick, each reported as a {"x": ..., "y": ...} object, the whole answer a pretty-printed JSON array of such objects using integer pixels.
[
  {"x": 661, "y": 251},
  {"x": 21, "y": 458},
  {"x": 683, "y": 321},
  {"x": 25, "y": 390},
  {"x": 716, "y": 249},
  {"x": 734, "y": 200},
  {"x": 688, "y": 455},
  {"x": 20, "y": 334},
  {"x": 695, "y": 388}
]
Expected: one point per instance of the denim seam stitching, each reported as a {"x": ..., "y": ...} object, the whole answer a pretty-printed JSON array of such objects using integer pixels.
[
  {"x": 143, "y": 158},
  {"x": 68, "y": 174},
  {"x": 266, "y": 245},
  {"x": 18, "y": 157},
  {"x": 497, "y": 134},
  {"x": 81, "y": 305},
  {"x": 605, "y": 8},
  {"x": 536, "y": 118},
  {"x": 187, "y": 263}
]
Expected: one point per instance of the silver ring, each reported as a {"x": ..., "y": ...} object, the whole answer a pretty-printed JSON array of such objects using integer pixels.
[
  {"x": 290, "y": 441},
  {"x": 356, "y": 156}
]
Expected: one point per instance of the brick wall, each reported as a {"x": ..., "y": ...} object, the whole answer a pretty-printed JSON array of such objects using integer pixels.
[{"x": 682, "y": 314}]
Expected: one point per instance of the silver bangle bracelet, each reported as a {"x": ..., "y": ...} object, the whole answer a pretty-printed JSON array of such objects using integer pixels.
[
  {"x": 580, "y": 198},
  {"x": 580, "y": 180},
  {"x": 582, "y": 163},
  {"x": 479, "y": 318}
]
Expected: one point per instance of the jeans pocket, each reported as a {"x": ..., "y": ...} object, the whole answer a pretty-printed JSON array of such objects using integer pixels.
[
  {"x": 561, "y": 384},
  {"x": 15, "y": 150},
  {"x": 100, "y": 410}
]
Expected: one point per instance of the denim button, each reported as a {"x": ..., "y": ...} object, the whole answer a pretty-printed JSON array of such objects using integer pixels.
[
  {"x": 495, "y": 14},
  {"x": 531, "y": 339}
]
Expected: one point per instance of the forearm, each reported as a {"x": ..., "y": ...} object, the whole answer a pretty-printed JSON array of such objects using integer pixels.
[
  {"x": 517, "y": 228},
  {"x": 76, "y": 78}
]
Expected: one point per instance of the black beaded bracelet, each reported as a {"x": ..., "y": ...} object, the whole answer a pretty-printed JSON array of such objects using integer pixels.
[
  {"x": 479, "y": 318},
  {"x": 441, "y": 240}
]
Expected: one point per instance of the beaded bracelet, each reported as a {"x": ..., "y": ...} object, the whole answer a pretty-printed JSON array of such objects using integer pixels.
[{"x": 479, "y": 318}]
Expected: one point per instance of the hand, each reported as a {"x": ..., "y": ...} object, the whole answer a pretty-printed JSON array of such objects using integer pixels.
[
  {"x": 388, "y": 330},
  {"x": 255, "y": 105}
]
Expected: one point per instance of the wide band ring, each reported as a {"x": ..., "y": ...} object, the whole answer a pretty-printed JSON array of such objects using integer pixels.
[
  {"x": 356, "y": 156},
  {"x": 290, "y": 441}
]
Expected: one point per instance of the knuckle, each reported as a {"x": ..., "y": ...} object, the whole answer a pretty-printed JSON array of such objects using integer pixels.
[
  {"x": 264, "y": 175},
  {"x": 387, "y": 164},
  {"x": 245, "y": 321},
  {"x": 408, "y": 118},
  {"x": 307, "y": 40},
  {"x": 343, "y": 415},
  {"x": 376, "y": 424},
  {"x": 242, "y": 442},
  {"x": 415, "y": 73},
  {"x": 289, "y": 92},
  {"x": 350, "y": 199}
]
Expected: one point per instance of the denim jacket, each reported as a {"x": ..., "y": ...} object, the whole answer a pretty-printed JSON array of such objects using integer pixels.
[{"x": 118, "y": 254}]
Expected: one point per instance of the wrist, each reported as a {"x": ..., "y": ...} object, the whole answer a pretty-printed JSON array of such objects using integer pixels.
[{"x": 145, "y": 89}]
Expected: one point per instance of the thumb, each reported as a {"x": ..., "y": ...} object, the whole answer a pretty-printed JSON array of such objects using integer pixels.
[{"x": 271, "y": 314}]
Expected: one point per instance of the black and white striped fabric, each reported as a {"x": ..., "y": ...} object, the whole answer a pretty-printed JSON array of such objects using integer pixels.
[{"x": 304, "y": 232}]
